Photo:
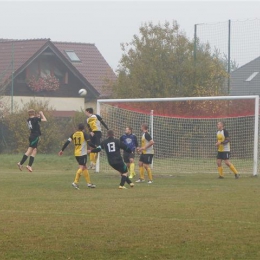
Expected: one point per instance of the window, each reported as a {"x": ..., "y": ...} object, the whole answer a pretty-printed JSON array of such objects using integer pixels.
[
  {"x": 252, "y": 76},
  {"x": 72, "y": 55}
]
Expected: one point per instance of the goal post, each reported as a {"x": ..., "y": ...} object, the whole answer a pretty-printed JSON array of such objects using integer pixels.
[{"x": 248, "y": 123}]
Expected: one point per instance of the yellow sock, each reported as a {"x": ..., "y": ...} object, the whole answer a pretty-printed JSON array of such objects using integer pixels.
[
  {"x": 92, "y": 158},
  {"x": 149, "y": 172},
  {"x": 95, "y": 158},
  {"x": 141, "y": 171},
  {"x": 78, "y": 173},
  {"x": 132, "y": 169},
  {"x": 233, "y": 169},
  {"x": 220, "y": 171},
  {"x": 86, "y": 175}
]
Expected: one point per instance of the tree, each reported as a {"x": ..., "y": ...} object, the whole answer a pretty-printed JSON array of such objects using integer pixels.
[{"x": 161, "y": 63}]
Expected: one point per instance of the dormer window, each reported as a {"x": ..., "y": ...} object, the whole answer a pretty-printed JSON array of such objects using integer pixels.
[
  {"x": 252, "y": 76},
  {"x": 72, "y": 56}
]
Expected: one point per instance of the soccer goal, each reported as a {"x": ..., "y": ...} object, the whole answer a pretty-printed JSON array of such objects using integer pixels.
[{"x": 184, "y": 131}]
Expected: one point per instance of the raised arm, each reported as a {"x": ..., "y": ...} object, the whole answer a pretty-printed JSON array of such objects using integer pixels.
[
  {"x": 102, "y": 122},
  {"x": 43, "y": 118}
]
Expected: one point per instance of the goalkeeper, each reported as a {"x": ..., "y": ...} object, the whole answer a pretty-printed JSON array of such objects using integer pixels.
[
  {"x": 223, "y": 145},
  {"x": 130, "y": 140}
]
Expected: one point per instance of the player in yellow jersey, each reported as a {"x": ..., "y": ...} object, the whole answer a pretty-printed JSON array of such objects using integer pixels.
[
  {"x": 223, "y": 145},
  {"x": 146, "y": 156},
  {"x": 81, "y": 141},
  {"x": 94, "y": 122}
]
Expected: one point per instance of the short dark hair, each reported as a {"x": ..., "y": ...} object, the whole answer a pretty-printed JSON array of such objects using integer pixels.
[
  {"x": 90, "y": 110},
  {"x": 110, "y": 133},
  {"x": 130, "y": 128},
  {"x": 81, "y": 126},
  {"x": 145, "y": 126}
]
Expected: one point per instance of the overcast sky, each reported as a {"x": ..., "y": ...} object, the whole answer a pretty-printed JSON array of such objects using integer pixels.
[{"x": 109, "y": 23}]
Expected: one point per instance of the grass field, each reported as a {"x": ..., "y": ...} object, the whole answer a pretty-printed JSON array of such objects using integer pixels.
[{"x": 177, "y": 217}]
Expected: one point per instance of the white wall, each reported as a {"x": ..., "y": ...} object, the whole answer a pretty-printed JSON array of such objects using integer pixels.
[{"x": 60, "y": 104}]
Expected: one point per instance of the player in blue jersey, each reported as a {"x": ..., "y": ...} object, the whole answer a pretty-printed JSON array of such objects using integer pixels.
[{"x": 130, "y": 140}]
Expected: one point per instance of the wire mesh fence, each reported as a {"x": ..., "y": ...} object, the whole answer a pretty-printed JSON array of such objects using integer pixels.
[{"x": 238, "y": 44}]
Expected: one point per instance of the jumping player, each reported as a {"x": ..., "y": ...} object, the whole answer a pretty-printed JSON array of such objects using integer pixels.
[
  {"x": 94, "y": 127},
  {"x": 223, "y": 145},
  {"x": 146, "y": 156},
  {"x": 130, "y": 140},
  {"x": 35, "y": 132},
  {"x": 112, "y": 147},
  {"x": 80, "y": 140}
]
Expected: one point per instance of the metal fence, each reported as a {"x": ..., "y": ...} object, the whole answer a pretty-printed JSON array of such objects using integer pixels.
[{"x": 238, "y": 44}]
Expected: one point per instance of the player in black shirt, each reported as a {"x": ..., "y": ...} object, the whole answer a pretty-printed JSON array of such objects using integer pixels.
[
  {"x": 112, "y": 147},
  {"x": 35, "y": 132}
]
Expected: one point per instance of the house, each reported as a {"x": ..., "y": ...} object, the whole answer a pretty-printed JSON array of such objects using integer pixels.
[
  {"x": 246, "y": 79},
  {"x": 53, "y": 71}
]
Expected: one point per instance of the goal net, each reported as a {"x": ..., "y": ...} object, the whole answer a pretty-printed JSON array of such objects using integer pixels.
[{"x": 184, "y": 131}]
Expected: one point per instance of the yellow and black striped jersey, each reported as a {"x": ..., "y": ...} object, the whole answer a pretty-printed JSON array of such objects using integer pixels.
[
  {"x": 146, "y": 138},
  {"x": 81, "y": 141},
  {"x": 222, "y": 135},
  {"x": 94, "y": 123}
]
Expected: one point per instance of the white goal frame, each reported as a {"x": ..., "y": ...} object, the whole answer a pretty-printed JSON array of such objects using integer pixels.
[{"x": 252, "y": 97}]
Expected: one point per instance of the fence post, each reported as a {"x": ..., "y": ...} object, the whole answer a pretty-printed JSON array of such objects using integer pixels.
[{"x": 229, "y": 47}]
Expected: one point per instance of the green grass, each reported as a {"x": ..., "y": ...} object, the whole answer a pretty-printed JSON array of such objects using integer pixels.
[{"x": 180, "y": 217}]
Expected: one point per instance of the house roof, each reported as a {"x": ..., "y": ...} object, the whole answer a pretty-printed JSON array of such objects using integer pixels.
[
  {"x": 92, "y": 66},
  {"x": 22, "y": 50},
  {"x": 246, "y": 79}
]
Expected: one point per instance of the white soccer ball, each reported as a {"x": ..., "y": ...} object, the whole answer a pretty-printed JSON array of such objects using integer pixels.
[{"x": 83, "y": 92}]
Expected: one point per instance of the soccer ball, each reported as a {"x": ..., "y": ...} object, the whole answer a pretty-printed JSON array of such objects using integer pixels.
[{"x": 83, "y": 92}]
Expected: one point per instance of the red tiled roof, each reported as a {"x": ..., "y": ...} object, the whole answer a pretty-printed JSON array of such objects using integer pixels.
[
  {"x": 22, "y": 51},
  {"x": 92, "y": 64}
]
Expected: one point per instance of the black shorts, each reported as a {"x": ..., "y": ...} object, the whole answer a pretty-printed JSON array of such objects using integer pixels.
[
  {"x": 96, "y": 138},
  {"x": 33, "y": 141},
  {"x": 121, "y": 167},
  {"x": 223, "y": 155},
  {"x": 146, "y": 158},
  {"x": 82, "y": 160},
  {"x": 127, "y": 156}
]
